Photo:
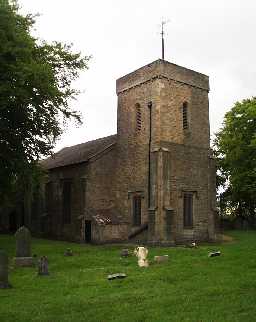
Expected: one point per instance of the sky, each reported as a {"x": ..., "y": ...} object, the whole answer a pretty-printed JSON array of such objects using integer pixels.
[{"x": 216, "y": 38}]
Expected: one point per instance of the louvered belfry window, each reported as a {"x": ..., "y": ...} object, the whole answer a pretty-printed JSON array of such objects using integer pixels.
[
  {"x": 185, "y": 115},
  {"x": 138, "y": 117},
  {"x": 136, "y": 210},
  {"x": 188, "y": 209}
]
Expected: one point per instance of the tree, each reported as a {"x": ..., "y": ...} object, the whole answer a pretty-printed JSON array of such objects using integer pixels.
[
  {"x": 235, "y": 148},
  {"x": 36, "y": 81}
]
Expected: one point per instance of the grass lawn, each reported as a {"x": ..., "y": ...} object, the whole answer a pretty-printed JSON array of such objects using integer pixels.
[{"x": 190, "y": 287}]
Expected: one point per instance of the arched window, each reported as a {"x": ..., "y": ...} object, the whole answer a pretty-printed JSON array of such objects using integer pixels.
[
  {"x": 185, "y": 116},
  {"x": 138, "y": 117}
]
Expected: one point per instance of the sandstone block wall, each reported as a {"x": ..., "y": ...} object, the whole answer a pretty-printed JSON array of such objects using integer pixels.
[
  {"x": 50, "y": 218},
  {"x": 164, "y": 69},
  {"x": 167, "y": 86},
  {"x": 189, "y": 172},
  {"x": 100, "y": 183}
]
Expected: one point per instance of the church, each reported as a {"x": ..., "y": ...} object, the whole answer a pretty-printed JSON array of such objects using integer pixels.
[{"x": 153, "y": 182}]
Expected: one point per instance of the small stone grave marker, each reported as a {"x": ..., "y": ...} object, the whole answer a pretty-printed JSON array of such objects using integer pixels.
[
  {"x": 191, "y": 245},
  {"x": 116, "y": 276},
  {"x": 4, "y": 283},
  {"x": 43, "y": 266},
  {"x": 161, "y": 259},
  {"x": 214, "y": 254},
  {"x": 124, "y": 252},
  {"x": 68, "y": 252}
]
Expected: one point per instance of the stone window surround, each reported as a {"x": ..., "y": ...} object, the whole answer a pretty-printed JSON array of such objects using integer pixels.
[
  {"x": 138, "y": 117},
  {"x": 195, "y": 195},
  {"x": 131, "y": 195}
]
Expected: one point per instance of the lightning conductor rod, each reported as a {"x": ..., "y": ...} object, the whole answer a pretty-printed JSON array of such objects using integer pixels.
[{"x": 162, "y": 35}]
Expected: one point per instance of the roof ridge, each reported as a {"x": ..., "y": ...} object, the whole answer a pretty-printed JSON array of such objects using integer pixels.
[
  {"x": 70, "y": 146},
  {"x": 79, "y": 153}
]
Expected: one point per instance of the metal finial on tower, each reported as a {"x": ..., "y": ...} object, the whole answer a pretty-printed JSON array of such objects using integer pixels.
[{"x": 162, "y": 34}]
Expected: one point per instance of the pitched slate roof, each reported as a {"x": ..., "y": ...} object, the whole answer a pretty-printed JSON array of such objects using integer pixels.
[{"x": 78, "y": 153}]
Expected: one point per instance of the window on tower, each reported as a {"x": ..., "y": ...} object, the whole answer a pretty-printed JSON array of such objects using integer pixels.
[
  {"x": 138, "y": 117},
  {"x": 185, "y": 115}
]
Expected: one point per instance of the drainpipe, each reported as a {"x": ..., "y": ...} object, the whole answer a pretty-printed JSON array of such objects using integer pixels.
[{"x": 149, "y": 150}]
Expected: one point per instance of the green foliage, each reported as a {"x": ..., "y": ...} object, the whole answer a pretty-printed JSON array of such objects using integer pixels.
[
  {"x": 189, "y": 287},
  {"x": 35, "y": 91},
  {"x": 235, "y": 148}
]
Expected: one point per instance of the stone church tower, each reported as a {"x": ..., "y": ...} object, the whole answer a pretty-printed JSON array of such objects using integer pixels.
[
  {"x": 153, "y": 182},
  {"x": 163, "y": 143}
]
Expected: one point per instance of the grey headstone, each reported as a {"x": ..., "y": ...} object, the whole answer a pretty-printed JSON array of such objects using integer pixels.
[
  {"x": 124, "y": 252},
  {"x": 68, "y": 252},
  {"x": 115, "y": 276},
  {"x": 23, "y": 242},
  {"x": 4, "y": 270},
  {"x": 161, "y": 259},
  {"x": 43, "y": 266}
]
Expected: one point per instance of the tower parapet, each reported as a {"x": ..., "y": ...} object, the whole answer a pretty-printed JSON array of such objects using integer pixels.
[{"x": 162, "y": 69}]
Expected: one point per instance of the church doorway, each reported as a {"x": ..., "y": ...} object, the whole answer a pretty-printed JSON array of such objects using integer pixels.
[{"x": 88, "y": 231}]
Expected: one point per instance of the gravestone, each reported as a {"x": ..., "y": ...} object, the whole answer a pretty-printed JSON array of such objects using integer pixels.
[
  {"x": 68, "y": 252},
  {"x": 4, "y": 270},
  {"x": 124, "y": 252},
  {"x": 214, "y": 254},
  {"x": 43, "y": 266},
  {"x": 23, "y": 248},
  {"x": 142, "y": 253},
  {"x": 116, "y": 276},
  {"x": 161, "y": 259}
]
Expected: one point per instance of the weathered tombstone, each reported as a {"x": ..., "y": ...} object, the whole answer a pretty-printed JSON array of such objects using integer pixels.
[
  {"x": 68, "y": 252},
  {"x": 4, "y": 270},
  {"x": 161, "y": 259},
  {"x": 141, "y": 253},
  {"x": 43, "y": 266},
  {"x": 23, "y": 248},
  {"x": 124, "y": 252},
  {"x": 191, "y": 245},
  {"x": 214, "y": 254},
  {"x": 116, "y": 276}
]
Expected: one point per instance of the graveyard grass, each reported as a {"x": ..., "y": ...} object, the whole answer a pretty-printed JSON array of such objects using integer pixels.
[{"x": 190, "y": 287}]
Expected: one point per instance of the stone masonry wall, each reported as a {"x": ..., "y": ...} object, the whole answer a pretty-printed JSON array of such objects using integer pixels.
[
  {"x": 101, "y": 189},
  {"x": 189, "y": 172},
  {"x": 92, "y": 188},
  {"x": 133, "y": 149},
  {"x": 167, "y": 86},
  {"x": 51, "y": 220},
  {"x": 173, "y": 95},
  {"x": 165, "y": 70}
]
